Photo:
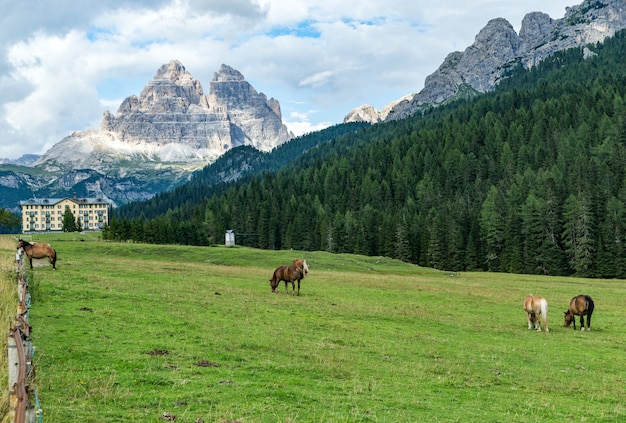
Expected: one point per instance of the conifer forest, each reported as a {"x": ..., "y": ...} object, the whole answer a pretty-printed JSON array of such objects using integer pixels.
[{"x": 530, "y": 178}]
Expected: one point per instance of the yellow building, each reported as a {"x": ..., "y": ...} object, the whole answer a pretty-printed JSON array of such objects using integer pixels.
[{"x": 46, "y": 214}]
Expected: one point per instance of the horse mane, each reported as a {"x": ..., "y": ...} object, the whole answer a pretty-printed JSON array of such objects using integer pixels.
[{"x": 23, "y": 241}]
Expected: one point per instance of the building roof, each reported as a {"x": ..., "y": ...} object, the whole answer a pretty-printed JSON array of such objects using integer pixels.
[{"x": 53, "y": 201}]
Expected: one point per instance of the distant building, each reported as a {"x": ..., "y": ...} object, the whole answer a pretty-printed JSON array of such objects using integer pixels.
[
  {"x": 229, "y": 237},
  {"x": 46, "y": 214}
]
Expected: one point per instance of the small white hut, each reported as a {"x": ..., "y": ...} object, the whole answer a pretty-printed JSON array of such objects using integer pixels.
[{"x": 229, "y": 238}]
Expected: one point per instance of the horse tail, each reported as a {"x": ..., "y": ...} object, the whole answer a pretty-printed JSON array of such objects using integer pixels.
[
  {"x": 53, "y": 258},
  {"x": 589, "y": 304},
  {"x": 543, "y": 303}
]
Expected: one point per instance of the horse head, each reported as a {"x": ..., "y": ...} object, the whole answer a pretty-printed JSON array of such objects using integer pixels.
[{"x": 569, "y": 318}]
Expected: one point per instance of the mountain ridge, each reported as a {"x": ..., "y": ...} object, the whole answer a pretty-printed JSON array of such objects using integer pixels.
[
  {"x": 172, "y": 120},
  {"x": 497, "y": 48},
  {"x": 529, "y": 178},
  {"x": 154, "y": 142},
  {"x": 124, "y": 167}
]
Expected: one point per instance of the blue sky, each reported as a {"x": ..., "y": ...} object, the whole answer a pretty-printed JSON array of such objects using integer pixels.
[{"x": 63, "y": 63}]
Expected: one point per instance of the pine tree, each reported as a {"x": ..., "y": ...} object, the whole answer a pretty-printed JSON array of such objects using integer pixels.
[
  {"x": 69, "y": 222},
  {"x": 8, "y": 219},
  {"x": 491, "y": 227},
  {"x": 577, "y": 234},
  {"x": 402, "y": 248}
]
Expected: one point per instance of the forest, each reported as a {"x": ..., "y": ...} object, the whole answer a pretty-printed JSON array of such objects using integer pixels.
[{"x": 530, "y": 178}]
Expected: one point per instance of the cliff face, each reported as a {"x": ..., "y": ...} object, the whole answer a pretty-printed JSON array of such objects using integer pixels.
[
  {"x": 154, "y": 141},
  {"x": 497, "y": 47},
  {"x": 172, "y": 120}
]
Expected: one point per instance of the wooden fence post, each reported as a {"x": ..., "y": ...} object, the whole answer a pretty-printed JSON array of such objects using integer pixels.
[{"x": 20, "y": 356}]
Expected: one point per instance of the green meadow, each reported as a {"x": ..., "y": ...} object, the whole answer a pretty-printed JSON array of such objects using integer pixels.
[{"x": 150, "y": 333}]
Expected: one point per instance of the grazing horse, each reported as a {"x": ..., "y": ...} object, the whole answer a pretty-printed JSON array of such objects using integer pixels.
[
  {"x": 289, "y": 274},
  {"x": 580, "y": 305},
  {"x": 535, "y": 307},
  {"x": 38, "y": 251}
]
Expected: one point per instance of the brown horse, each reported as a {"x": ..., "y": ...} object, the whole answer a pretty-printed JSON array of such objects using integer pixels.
[
  {"x": 581, "y": 305},
  {"x": 289, "y": 274},
  {"x": 535, "y": 307},
  {"x": 38, "y": 251}
]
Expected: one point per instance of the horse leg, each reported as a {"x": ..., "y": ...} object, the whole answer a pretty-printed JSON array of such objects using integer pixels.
[
  {"x": 537, "y": 323},
  {"x": 30, "y": 259},
  {"x": 298, "y": 287},
  {"x": 530, "y": 320},
  {"x": 582, "y": 322},
  {"x": 588, "y": 322}
]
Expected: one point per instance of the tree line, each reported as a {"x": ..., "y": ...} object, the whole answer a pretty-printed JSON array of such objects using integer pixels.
[{"x": 528, "y": 179}]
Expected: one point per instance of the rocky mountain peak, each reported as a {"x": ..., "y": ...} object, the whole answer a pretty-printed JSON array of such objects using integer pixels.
[
  {"x": 227, "y": 74},
  {"x": 172, "y": 120},
  {"x": 497, "y": 47},
  {"x": 364, "y": 113},
  {"x": 173, "y": 71},
  {"x": 534, "y": 27},
  {"x": 172, "y": 89}
]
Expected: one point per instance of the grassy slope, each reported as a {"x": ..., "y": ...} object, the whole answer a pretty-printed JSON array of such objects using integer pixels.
[{"x": 369, "y": 340}]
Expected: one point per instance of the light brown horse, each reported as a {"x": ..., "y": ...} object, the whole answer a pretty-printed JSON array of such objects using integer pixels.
[
  {"x": 289, "y": 274},
  {"x": 581, "y": 305},
  {"x": 535, "y": 307},
  {"x": 38, "y": 251}
]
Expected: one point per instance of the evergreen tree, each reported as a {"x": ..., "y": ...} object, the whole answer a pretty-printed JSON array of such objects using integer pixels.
[
  {"x": 69, "y": 222},
  {"x": 577, "y": 234},
  {"x": 491, "y": 226},
  {"x": 402, "y": 250},
  {"x": 8, "y": 219}
]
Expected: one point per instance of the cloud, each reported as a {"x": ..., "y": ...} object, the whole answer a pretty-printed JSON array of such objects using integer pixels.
[{"x": 63, "y": 63}]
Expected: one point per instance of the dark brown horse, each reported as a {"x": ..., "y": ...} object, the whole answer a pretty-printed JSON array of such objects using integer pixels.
[
  {"x": 289, "y": 274},
  {"x": 38, "y": 251},
  {"x": 581, "y": 305}
]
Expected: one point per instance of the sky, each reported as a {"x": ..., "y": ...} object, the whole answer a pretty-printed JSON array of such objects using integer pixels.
[{"x": 64, "y": 62}]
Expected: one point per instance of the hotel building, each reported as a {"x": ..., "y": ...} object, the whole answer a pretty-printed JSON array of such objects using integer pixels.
[{"x": 46, "y": 214}]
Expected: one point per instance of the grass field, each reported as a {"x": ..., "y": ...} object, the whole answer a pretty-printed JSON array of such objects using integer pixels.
[{"x": 142, "y": 333}]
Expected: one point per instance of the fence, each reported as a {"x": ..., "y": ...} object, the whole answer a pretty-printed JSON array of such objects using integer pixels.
[{"x": 23, "y": 401}]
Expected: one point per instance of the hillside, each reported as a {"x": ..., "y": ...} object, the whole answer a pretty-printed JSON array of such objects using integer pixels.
[
  {"x": 528, "y": 179},
  {"x": 369, "y": 340},
  {"x": 236, "y": 164}
]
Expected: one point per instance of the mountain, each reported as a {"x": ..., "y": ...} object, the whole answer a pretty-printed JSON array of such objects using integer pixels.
[
  {"x": 498, "y": 48},
  {"x": 527, "y": 178},
  {"x": 240, "y": 163},
  {"x": 172, "y": 120},
  {"x": 154, "y": 142},
  {"x": 25, "y": 160}
]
